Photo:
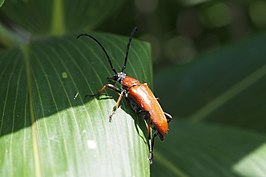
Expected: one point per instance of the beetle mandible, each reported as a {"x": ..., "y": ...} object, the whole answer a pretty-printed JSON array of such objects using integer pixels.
[{"x": 140, "y": 97}]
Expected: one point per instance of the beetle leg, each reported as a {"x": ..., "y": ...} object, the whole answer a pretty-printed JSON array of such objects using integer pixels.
[
  {"x": 168, "y": 117},
  {"x": 151, "y": 146},
  {"x": 117, "y": 104},
  {"x": 149, "y": 132},
  {"x": 110, "y": 86},
  {"x": 150, "y": 140},
  {"x": 144, "y": 114}
]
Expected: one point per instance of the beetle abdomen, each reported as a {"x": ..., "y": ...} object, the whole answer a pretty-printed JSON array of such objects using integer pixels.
[{"x": 144, "y": 97}]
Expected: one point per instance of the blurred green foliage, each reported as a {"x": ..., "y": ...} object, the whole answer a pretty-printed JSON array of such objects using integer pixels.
[{"x": 179, "y": 30}]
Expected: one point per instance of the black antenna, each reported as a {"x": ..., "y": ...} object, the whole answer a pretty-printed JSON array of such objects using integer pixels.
[
  {"x": 128, "y": 45},
  {"x": 101, "y": 47}
]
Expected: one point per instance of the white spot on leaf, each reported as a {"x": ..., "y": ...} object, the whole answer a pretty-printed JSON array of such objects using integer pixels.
[{"x": 91, "y": 144}]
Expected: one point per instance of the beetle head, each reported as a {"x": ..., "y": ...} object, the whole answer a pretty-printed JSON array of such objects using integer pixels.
[{"x": 118, "y": 77}]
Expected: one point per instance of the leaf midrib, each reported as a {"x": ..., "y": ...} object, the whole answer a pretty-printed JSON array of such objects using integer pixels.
[{"x": 36, "y": 154}]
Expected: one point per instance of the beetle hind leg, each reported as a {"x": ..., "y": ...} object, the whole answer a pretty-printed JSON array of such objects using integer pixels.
[{"x": 151, "y": 145}]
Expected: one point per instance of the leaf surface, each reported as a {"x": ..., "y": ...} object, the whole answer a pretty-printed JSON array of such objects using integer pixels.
[{"x": 48, "y": 128}]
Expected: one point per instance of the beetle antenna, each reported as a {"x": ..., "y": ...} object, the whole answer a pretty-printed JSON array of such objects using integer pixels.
[
  {"x": 128, "y": 45},
  {"x": 109, "y": 60}
]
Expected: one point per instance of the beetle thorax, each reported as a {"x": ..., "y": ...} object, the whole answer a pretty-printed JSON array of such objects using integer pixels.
[{"x": 129, "y": 82}]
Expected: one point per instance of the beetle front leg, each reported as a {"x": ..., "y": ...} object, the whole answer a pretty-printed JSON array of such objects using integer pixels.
[
  {"x": 110, "y": 86},
  {"x": 117, "y": 104}
]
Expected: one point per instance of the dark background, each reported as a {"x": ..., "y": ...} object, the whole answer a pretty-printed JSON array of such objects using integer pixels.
[{"x": 179, "y": 30}]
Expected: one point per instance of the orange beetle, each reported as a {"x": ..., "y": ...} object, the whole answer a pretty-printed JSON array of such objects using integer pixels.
[{"x": 139, "y": 96}]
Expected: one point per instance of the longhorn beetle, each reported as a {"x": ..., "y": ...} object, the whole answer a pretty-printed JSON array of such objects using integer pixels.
[{"x": 139, "y": 96}]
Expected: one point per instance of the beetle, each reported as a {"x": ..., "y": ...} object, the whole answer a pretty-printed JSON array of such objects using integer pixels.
[{"x": 138, "y": 95}]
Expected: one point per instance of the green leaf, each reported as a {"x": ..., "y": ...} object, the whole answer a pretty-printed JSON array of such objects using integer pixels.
[
  {"x": 252, "y": 164},
  {"x": 1, "y": 2},
  {"x": 48, "y": 128},
  {"x": 226, "y": 85},
  {"x": 60, "y": 16},
  {"x": 206, "y": 150}
]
